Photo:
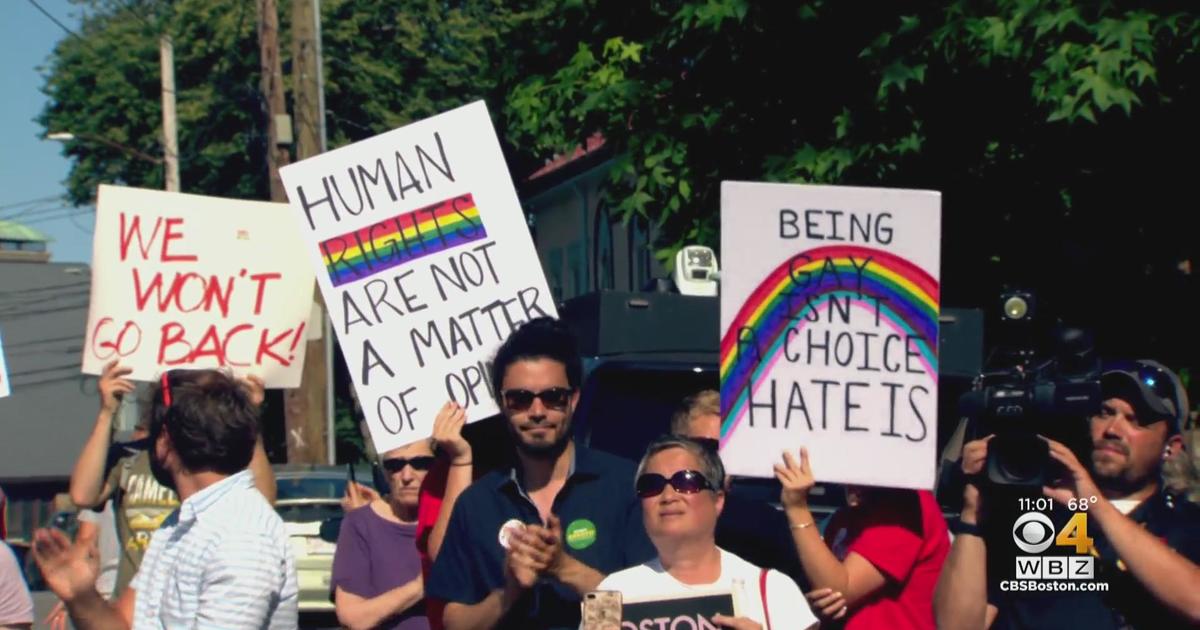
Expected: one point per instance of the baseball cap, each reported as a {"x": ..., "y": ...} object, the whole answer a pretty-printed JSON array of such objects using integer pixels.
[{"x": 1153, "y": 391}]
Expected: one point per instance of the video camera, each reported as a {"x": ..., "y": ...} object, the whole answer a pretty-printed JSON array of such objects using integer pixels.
[{"x": 1022, "y": 395}]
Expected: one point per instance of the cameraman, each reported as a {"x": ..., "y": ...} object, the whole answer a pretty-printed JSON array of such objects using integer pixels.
[{"x": 1145, "y": 542}]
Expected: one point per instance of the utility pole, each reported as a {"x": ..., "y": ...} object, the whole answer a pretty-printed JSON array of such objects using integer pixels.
[
  {"x": 309, "y": 408},
  {"x": 303, "y": 445},
  {"x": 272, "y": 90},
  {"x": 166, "y": 50}
]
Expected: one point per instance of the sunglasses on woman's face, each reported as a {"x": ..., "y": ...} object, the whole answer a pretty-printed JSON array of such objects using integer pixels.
[
  {"x": 556, "y": 398},
  {"x": 420, "y": 462},
  {"x": 684, "y": 482}
]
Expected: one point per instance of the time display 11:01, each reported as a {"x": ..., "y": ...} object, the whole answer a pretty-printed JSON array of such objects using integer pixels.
[{"x": 1040, "y": 504}]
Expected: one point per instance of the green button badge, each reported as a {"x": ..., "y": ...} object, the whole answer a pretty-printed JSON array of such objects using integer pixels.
[{"x": 581, "y": 534}]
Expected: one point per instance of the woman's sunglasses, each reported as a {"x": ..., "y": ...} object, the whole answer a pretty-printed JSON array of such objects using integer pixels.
[
  {"x": 684, "y": 482},
  {"x": 420, "y": 462},
  {"x": 556, "y": 398}
]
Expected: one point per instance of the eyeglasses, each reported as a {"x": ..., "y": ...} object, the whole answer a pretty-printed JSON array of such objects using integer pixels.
[
  {"x": 420, "y": 462},
  {"x": 556, "y": 398},
  {"x": 684, "y": 482}
]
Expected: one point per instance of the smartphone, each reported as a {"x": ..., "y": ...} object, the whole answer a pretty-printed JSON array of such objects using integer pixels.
[
  {"x": 350, "y": 473},
  {"x": 602, "y": 610}
]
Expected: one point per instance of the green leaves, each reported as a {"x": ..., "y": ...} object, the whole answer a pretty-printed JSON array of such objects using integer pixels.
[{"x": 686, "y": 93}]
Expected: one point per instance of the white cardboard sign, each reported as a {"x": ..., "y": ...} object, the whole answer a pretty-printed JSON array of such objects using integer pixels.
[
  {"x": 426, "y": 264},
  {"x": 187, "y": 281},
  {"x": 829, "y": 319}
]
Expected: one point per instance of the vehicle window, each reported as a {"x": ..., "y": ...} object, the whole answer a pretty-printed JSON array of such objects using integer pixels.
[{"x": 622, "y": 408}]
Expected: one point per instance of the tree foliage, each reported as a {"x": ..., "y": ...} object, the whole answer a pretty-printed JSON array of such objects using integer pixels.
[{"x": 1053, "y": 128}]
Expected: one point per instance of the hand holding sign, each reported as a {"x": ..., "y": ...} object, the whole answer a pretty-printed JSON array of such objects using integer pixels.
[
  {"x": 797, "y": 480},
  {"x": 447, "y": 434},
  {"x": 255, "y": 389},
  {"x": 113, "y": 386}
]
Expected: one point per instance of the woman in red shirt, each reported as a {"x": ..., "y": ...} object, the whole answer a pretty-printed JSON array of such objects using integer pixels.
[{"x": 881, "y": 555}]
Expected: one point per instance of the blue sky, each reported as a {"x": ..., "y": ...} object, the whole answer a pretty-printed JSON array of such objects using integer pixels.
[{"x": 32, "y": 168}]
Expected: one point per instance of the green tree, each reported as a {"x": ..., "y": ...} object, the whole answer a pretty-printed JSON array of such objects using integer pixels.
[
  {"x": 1035, "y": 118},
  {"x": 106, "y": 84},
  {"x": 386, "y": 64},
  {"x": 1048, "y": 125}
]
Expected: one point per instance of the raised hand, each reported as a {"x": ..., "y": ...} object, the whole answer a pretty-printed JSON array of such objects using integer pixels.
[
  {"x": 70, "y": 569},
  {"x": 447, "y": 433},
  {"x": 796, "y": 478},
  {"x": 113, "y": 386}
]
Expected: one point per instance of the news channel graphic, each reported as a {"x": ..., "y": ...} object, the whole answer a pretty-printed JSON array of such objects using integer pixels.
[{"x": 1045, "y": 566}]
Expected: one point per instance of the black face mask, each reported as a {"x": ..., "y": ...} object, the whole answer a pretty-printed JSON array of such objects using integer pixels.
[{"x": 161, "y": 475}]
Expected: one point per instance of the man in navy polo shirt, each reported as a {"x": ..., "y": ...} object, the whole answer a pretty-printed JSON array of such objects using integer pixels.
[
  {"x": 525, "y": 543},
  {"x": 1144, "y": 541}
]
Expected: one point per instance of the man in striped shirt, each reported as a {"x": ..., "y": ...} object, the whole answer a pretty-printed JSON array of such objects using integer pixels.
[{"x": 222, "y": 559}]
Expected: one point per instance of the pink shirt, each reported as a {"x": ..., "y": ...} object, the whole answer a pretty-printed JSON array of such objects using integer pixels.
[{"x": 16, "y": 607}]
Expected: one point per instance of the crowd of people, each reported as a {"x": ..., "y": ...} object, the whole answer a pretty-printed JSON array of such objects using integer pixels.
[{"x": 181, "y": 531}]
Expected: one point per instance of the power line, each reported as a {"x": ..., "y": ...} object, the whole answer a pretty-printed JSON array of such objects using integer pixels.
[
  {"x": 15, "y": 315},
  {"x": 33, "y": 212},
  {"x": 39, "y": 289},
  {"x": 55, "y": 20},
  {"x": 30, "y": 202},
  {"x": 17, "y": 305},
  {"x": 68, "y": 213},
  {"x": 82, "y": 229}
]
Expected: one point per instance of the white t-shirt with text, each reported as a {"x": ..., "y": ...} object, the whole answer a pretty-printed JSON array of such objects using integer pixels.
[{"x": 789, "y": 610}]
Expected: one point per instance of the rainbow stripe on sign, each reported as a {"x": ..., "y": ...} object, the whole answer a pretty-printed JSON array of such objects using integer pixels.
[
  {"x": 402, "y": 239},
  {"x": 905, "y": 295}
]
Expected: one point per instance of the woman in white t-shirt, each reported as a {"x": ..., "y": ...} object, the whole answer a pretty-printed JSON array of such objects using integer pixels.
[{"x": 679, "y": 482}]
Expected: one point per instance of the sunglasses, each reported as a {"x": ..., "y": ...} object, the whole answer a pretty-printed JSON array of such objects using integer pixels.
[
  {"x": 1151, "y": 376},
  {"x": 556, "y": 398},
  {"x": 420, "y": 462},
  {"x": 684, "y": 482}
]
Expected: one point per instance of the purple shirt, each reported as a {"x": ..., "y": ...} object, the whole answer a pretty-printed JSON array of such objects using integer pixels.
[{"x": 375, "y": 555}]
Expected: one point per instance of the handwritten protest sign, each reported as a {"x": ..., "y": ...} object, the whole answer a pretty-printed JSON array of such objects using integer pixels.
[
  {"x": 5, "y": 388},
  {"x": 185, "y": 281},
  {"x": 425, "y": 260},
  {"x": 829, "y": 318},
  {"x": 693, "y": 611}
]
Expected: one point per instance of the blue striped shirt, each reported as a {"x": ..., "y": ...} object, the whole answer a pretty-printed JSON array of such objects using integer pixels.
[{"x": 221, "y": 560}]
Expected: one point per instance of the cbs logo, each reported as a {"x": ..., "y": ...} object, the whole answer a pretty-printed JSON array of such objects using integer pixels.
[{"x": 1033, "y": 532}]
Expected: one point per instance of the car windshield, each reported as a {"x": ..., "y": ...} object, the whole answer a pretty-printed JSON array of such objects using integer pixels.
[
  {"x": 308, "y": 512},
  {"x": 290, "y": 488},
  {"x": 626, "y": 406}
]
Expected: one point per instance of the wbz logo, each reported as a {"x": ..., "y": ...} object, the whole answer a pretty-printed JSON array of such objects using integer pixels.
[
  {"x": 1033, "y": 532},
  {"x": 1056, "y": 568}
]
